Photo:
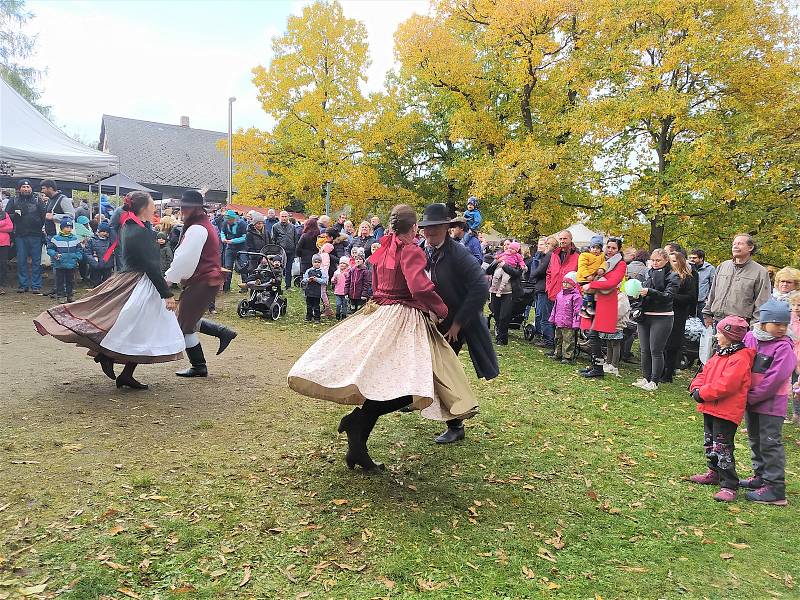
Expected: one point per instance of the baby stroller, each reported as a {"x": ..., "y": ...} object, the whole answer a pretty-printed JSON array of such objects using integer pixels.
[
  {"x": 519, "y": 319},
  {"x": 262, "y": 275},
  {"x": 691, "y": 342}
]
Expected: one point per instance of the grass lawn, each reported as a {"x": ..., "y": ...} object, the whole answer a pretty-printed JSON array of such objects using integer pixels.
[{"x": 237, "y": 488}]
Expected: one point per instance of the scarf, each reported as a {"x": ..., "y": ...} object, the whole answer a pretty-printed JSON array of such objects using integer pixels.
[
  {"x": 763, "y": 336},
  {"x": 728, "y": 350},
  {"x": 126, "y": 216}
]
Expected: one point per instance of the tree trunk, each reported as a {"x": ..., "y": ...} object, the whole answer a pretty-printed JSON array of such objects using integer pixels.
[{"x": 656, "y": 234}]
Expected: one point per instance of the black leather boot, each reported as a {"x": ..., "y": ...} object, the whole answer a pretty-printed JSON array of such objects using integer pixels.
[
  {"x": 454, "y": 432},
  {"x": 597, "y": 368},
  {"x": 198, "y": 360},
  {"x": 218, "y": 330},
  {"x": 107, "y": 364}
]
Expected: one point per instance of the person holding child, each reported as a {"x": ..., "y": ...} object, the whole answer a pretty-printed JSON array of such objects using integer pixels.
[
  {"x": 565, "y": 316},
  {"x": 720, "y": 391},
  {"x": 591, "y": 266},
  {"x": 506, "y": 271},
  {"x": 767, "y": 400}
]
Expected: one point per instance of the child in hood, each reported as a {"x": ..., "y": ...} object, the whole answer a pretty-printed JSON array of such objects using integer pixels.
[
  {"x": 339, "y": 281},
  {"x": 329, "y": 267},
  {"x": 566, "y": 318},
  {"x": 65, "y": 252},
  {"x": 591, "y": 265},
  {"x": 358, "y": 283},
  {"x": 767, "y": 399},
  {"x": 720, "y": 391},
  {"x": 472, "y": 214},
  {"x": 99, "y": 269},
  {"x": 314, "y": 279}
]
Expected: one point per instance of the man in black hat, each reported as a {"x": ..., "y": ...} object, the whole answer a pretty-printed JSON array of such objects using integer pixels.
[
  {"x": 27, "y": 214},
  {"x": 462, "y": 285},
  {"x": 196, "y": 265}
]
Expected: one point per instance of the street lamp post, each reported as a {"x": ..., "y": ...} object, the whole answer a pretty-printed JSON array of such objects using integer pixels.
[{"x": 231, "y": 100}]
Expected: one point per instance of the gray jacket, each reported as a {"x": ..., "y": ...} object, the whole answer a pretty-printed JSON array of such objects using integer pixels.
[
  {"x": 286, "y": 236},
  {"x": 738, "y": 290},
  {"x": 705, "y": 273}
]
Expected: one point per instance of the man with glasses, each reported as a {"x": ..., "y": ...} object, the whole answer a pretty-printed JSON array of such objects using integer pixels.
[{"x": 705, "y": 277}]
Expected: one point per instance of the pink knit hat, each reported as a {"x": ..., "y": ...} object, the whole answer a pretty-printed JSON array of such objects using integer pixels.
[
  {"x": 734, "y": 328},
  {"x": 327, "y": 247},
  {"x": 514, "y": 246}
]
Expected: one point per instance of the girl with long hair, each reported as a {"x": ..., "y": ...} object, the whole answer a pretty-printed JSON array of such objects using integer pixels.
[{"x": 683, "y": 304}]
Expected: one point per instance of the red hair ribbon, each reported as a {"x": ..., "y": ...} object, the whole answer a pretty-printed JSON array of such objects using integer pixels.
[{"x": 127, "y": 215}]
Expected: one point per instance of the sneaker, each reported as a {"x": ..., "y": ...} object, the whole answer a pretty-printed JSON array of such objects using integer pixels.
[
  {"x": 568, "y": 361},
  {"x": 70, "y": 299},
  {"x": 751, "y": 483},
  {"x": 708, "y": 478},
  {"x": 650, "y": 386},
  {"x": 725, "y": 495},
  {"x": 639, "y": 382},
  {"x": 611, "y": 370},
  {"x": 766, "y": 494},
  {"x": 22, "y": 290}
]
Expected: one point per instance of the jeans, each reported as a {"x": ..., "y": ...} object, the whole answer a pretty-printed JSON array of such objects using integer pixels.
[
  {"x": 718, "y": 435},
  {"x": 287, "y": 269},
  {"x": 542, "y": 322},
  {"x": 231, "y": 253},
  {"x": 65, "y": 282},
  {"x": 312, "y": 309},
  {"x": 765, "y": 434},
  {"x": 29, "y": 246},
  {"x": 653, "y": 334},
  {"x": 341, "y": 306},
  {"x": 701, "y": 304}
]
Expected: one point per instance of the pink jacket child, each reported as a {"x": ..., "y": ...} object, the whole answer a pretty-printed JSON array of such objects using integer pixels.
[
  {"x": 567, "y": 306},
  {"x": 512, "y": 256},
  {"x": 6, "y": 227},
  {"x": 339, "y": 279}
]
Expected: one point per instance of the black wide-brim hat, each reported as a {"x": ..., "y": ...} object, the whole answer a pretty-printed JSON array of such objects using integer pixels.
[
  {"x": 191, "y": 199},
  {"x": 435, "y": 214}
]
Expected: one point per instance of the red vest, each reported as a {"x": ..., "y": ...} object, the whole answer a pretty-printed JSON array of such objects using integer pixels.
[{"x": 208, "y": 267}]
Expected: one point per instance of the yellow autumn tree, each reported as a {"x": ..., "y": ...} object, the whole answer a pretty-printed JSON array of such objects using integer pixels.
[{"x": 311, "y": 89}]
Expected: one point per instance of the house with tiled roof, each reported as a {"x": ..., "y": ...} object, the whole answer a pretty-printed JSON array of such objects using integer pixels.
[{"x": 168, "y": 158}]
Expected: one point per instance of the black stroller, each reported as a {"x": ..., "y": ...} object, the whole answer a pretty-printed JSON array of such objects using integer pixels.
[
  {"x": 262, "y": 276},
  {"x": 519, "y": 319}
]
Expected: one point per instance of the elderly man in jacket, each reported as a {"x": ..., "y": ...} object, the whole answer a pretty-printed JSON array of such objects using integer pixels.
[
  {"x": 563, "y": 260},
  {"x": 460, "y": 232},
  {"x": 286, "y": 235},
  {"x": 461, "y": 284}
]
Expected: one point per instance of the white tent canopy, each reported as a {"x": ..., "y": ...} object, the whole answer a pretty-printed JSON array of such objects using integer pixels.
[
  {"x": 581, "y": 234},
  {"x": 31, "y": 146}
]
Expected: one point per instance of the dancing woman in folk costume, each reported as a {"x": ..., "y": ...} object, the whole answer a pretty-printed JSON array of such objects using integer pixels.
[
  {"x": 407, "y": 360},
  {"x": 196, "y": 265},
  {"x": 127, "y": 319}
]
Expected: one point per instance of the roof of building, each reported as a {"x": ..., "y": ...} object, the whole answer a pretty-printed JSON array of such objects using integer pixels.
[{"x": 163, "y": 154}]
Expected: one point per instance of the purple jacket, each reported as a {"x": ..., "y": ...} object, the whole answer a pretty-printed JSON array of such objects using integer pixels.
[
  {"x": 769, "y": 389},
  {"x": 566, "y": 309}
]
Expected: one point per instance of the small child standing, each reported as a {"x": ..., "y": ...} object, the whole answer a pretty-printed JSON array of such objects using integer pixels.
[
  {"x": 566, "y": 318},
  {"x": 472, "y": 214},
  {"x": 314, "y": 279},
  {"x": 328, "y": 267},
  {"x": 510, "y": 257},
  {"x": 339, "y": 281},
  {"x": 767, "y": 402},
  {"x": 591, "y": 266},
  {"x": 65, "y": 251},
  {"x": 358, "y": 284},
  {"x": 166, "y": 251},
  {"x": 615, "y": 341},
  {"x": 720, "y": 391},
  {"x": 99, "y": 269}
]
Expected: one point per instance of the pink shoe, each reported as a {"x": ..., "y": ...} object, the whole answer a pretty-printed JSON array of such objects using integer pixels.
[
  {"x": 707, "y": 478},
  {"x": 725, "y": 495}
]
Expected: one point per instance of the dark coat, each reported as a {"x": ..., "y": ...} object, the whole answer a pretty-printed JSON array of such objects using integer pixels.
[
  {"x": 538, "y": 273},
  {"x": 306, "y": 248},
  {"x": 460, "y": 282},
  {"x": 255, "y": 240}
]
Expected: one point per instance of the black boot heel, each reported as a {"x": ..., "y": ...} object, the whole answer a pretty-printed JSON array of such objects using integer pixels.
[{"x": 107, "y": 364}]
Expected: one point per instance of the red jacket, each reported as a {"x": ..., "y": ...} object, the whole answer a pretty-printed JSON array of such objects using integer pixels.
[
  {"x": 398, "y": 276},
  {"x": 606, "y": 307},
  {"x": 556, "y": 270},
  {"x": 723, "y": 384}
]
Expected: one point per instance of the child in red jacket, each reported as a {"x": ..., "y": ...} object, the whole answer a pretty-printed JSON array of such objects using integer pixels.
[{"x": 720, "y": 391}]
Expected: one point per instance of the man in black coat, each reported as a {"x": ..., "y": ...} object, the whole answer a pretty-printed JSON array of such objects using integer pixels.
[{"x": 462, "y": 285}]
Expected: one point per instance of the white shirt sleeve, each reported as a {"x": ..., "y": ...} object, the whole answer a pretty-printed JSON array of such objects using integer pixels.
[{"x": 187, "y": 254}]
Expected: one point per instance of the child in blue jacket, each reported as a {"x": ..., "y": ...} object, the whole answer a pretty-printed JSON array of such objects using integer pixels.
[
  {"x": 472, "y": 214},
  {"x": 65, "y": 252}
]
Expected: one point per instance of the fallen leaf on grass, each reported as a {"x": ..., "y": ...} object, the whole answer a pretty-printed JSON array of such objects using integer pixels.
[
  {"x": 738, "y": 546},
  {"x": 726, "y": 556},
  {"x": 529, "y": 574},
  {"x": 25, "y": 462},
  {"x": 426, "y": 585},
  {"x": 628, "y": 569},
  {"x": 337, "y": 502},
  {"x": 115, "y": 530},
  {"x": 545, "y": 554},
  {"x": 246, "y": 576},
  {"x": 144, "y": 565},
  {"x": 184, "y": 589},
  {"x": 115, "y": 566},
  {"x": 32, "y": 590},
  {"x": 216, "y": 573},
  {"x": 388, "y": 583},
  {"x": 129, "y": 593},
  {"x": 73, "y": 447},
  {"x": 302, "y": 595}
]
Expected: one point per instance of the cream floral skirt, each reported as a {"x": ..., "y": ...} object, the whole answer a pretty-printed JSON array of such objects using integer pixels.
[{"x": 381, "y": 353}]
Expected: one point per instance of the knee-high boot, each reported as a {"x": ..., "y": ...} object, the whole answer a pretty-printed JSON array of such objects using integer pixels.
[
  {"x": 198, "y": 360},
  {"x": 218, "y": 330},
  {"x": 359, "y": 425}
]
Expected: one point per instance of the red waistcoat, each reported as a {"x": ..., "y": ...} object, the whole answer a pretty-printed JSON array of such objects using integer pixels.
[{"x": 208, "y": 267}]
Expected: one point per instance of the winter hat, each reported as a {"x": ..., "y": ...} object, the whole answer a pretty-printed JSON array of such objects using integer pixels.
[
  {"x": 316, "y": 258},
  {"x": 596, "y": 239},
  {"x": 734, "y": 328},
  {"x": 22, "y": 182},
  {"x": 83, "y": 220},
  {"x": 571, "y": 276},
  {"x": 344, "y": 260},
  {"x": 257, "y": 217},
  {"x": 162, "y": 236},
  {"x": 327, "y": 247},
  {"x": 231, "y": 214},
  {"x": 104, "y": 227},
  {"x": 472, "y": 200},
  {"x": 514, "y": 246},
  {"x": 774, "y": 311},
  {"x": 68, "y": 223}
]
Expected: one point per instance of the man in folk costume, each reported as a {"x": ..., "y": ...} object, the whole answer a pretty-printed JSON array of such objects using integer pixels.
[
  {"x": 196, "y": 265},
  {"x": 462, "y": 285}
]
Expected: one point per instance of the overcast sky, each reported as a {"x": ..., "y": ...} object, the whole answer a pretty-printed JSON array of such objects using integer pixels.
[{"x": 158, "y": 60}]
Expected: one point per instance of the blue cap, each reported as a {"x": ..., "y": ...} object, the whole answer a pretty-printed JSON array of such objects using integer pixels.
[
  {"x": 83, "y": 220},
  {"x": 231, "y": 214},
  {"x": 104, "y": 227},
  {"x": 65, "y": 223},
  {"x": 774, "y": 311},
  {"x": 596, "y": 239}
]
